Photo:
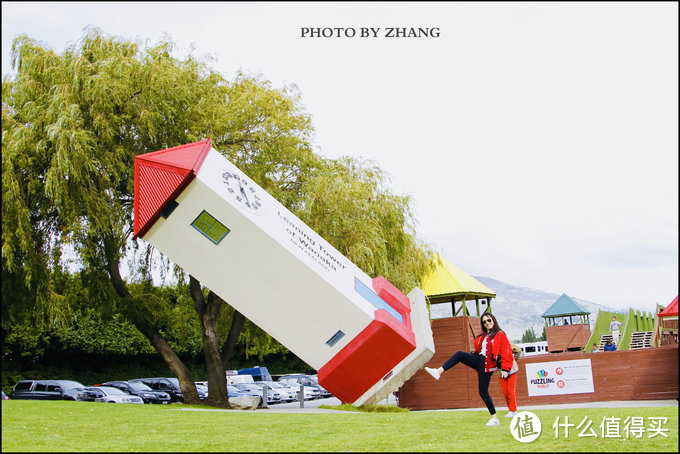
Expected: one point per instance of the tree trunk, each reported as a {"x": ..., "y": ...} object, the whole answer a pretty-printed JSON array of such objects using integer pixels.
[
  {"x": 207, "y": 312},
  {"x": 237, "y": 323},
  {"x": 186, "y": 381}
]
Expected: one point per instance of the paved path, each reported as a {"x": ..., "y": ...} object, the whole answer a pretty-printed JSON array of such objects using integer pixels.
[
  {"x": 606, "y": 404},
  {"x": 312, "y": 406}
]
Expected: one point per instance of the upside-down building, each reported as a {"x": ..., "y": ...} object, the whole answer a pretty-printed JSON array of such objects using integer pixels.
[{"x": 362, "y": 335}]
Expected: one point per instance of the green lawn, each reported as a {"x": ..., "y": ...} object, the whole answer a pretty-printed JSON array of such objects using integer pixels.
[{"x": 98, "y": 427}]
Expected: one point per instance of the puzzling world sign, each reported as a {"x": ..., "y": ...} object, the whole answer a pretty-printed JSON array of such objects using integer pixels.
[{"x": 362, "y": 335}]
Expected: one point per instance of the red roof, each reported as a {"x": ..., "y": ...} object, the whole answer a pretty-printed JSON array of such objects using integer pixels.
[
  {"x": 672, "y": 309},
  {"x": 161, "y": 176}
]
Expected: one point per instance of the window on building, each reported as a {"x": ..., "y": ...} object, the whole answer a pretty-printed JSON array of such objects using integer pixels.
[
  {"x": 213, "y": 229},
  {"x": 375, "y": 300}
]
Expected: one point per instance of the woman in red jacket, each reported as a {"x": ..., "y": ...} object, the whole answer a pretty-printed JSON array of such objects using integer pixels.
[{"x": 492, "y": 348}]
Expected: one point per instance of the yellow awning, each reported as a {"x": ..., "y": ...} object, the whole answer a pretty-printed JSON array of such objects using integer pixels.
[{"x": 444, "y": 278}]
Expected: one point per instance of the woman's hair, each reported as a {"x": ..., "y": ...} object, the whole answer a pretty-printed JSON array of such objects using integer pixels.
[{"x": 491, "y": 333}]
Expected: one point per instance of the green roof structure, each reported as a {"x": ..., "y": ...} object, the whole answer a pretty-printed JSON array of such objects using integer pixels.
[{"x": 565, "y": 305}]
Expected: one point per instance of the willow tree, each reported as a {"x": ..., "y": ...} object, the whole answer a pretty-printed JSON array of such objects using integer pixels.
[
  {"x": 72, "y": 123},
  {"x": 350, "y": 204}
]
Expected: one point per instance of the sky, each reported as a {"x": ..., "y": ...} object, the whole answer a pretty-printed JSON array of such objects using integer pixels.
[{"x": 538, "y": 141}]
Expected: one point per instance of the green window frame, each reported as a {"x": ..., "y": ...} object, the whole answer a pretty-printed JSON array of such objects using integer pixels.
[{"x": 210, "y": 227}]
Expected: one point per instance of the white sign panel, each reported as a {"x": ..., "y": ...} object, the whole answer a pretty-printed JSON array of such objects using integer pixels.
[{"x": 560, "y": 377}]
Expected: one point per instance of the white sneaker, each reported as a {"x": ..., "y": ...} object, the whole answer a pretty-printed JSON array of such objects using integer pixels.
[
  {"x": 434, "y": 372},
  {"x": 493, "y": 421},
  {"x": 510, "y": 414}
]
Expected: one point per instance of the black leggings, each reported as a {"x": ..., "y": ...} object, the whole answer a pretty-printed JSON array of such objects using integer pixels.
[{"x": 476, "y": 362}]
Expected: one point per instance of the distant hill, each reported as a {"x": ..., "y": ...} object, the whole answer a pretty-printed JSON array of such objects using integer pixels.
[{"x": 519, "y": 308}]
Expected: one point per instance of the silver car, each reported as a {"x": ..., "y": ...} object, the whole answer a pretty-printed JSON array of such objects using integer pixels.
[
  {"x": 296, "y": 380},
  {"x": 272, "y": 398},
  {"x": 288, "y": 394},
  {"x": 309, "y": 392},
  {"x": 113, "y": 395}
]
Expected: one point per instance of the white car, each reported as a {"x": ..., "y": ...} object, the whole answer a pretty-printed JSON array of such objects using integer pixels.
[
  {"x": 306, "y": 380},
  {"x": 288, "y": 394},
  {"x": 310, "y": 392},
  {"x": 113, "y": 395},
  {"x": 273, "y": 395},
  {"x": 311, "y": 388},
  {"x": 202, "y": 386},
  {"x": 272, "y": 398}
]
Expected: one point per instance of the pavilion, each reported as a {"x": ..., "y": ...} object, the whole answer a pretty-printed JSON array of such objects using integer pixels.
[
  {"x": 567, "y": 325},
  {"x": 445, "y": 283}
]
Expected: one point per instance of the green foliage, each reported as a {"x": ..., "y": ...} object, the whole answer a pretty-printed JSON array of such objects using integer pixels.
[
  {"x": 347, "y": 202},
  {"x": 90, "y": 333},
  {"x": 259, "y": 343},
  {"x": 88, "y": 368},
  {"x": 72, "y": 123},
  {"x": 529, "y": 336}
]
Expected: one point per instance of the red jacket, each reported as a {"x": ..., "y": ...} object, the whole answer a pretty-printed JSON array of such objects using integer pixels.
[{"x": 497, "y": 347}]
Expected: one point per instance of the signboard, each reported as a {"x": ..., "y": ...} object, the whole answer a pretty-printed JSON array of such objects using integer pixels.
[{"x": 560, "y": 377}]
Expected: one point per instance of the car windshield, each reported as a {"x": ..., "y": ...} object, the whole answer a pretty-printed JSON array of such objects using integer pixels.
[
  {"x": 175, "y": 382},
  {"x": 233, "y": 389},
  {"x": 139, "y": 386},
  {"x": 247, "y": 387}
]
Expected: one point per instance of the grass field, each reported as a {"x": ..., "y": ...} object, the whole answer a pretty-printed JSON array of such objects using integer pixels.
[{"x": 97, "y": 427}]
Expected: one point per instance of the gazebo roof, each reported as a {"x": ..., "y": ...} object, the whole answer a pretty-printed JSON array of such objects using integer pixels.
[
  {"x": 447, "y": 280},
  {"x": 564, "y": 305},
  {"x": 672, "y": 309}
]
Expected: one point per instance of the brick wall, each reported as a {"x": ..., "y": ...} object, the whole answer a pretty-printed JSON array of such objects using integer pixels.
[{"x": 642, "y": 374}]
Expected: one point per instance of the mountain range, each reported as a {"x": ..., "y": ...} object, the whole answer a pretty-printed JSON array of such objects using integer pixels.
[{"x": 519, "y": 308}]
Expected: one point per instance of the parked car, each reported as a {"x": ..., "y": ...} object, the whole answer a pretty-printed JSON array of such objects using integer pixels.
[
  {"x": 109, "y": 394},
  {"x": 49, "y": 390},
  {"x": 272, "y": 398},
  {"x": 278, "y": 397},
  {"x": 233, "y": 379},
  {"x": 315, "y": 382},
  {"x": 305, "y": 380},
  {"x": 288, "y": 394},
  {"x": 139, "y": 389},
  {"x": 310, "y": 392},
  {"x": 233, "y": 391},
  {"x": 202, "y": 388},
  {"x": 167, "y": 385}
]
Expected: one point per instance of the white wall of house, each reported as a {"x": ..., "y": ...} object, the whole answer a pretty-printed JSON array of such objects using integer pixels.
[{"x": 300, "y": 292}]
